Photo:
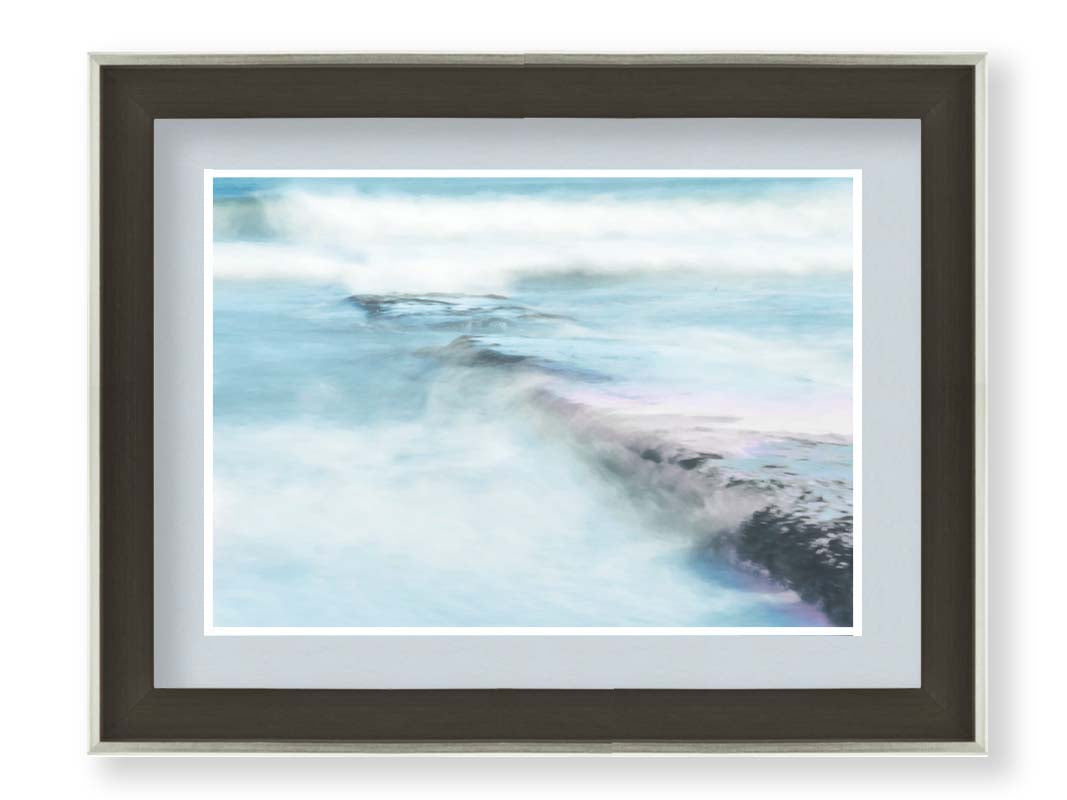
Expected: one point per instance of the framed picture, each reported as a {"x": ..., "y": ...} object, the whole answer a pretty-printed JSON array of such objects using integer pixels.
[{"x": 538, "y": 403}]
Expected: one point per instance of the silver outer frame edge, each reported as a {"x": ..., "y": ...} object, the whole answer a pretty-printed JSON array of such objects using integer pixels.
[{"x": 978, "y": 747}]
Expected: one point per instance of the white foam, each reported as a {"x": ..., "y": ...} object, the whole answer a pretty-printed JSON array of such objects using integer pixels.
[{"x": 482, "y": 243}]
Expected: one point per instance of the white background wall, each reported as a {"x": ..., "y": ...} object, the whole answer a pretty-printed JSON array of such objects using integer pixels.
[{"x": 43, "y": 496}]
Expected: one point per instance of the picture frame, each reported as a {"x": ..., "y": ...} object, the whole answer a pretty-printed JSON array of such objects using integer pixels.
[{"x": 945, "y": 715}]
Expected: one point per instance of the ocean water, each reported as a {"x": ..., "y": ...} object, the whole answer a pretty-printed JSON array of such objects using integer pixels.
[{"x": 557, "y": 402}]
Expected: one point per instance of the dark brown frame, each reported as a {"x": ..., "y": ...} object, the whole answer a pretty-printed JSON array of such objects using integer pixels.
[{"x": 131, "y": 96}]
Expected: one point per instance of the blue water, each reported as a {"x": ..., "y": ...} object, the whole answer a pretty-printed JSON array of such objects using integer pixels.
[{"x": 564, "y": 450}]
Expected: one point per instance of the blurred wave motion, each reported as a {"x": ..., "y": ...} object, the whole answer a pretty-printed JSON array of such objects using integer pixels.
[{"x": 532, "y": 402}]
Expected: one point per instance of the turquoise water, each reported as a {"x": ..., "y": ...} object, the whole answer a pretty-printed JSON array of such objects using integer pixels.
[{"x": 555, "y": 441}]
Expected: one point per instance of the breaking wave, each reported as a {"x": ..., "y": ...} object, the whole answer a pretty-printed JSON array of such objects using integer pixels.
[{"x": 482, "y": 242}]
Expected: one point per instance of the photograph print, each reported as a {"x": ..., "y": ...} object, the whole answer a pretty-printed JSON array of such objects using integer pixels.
[{"x": 532, "y": 401}]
